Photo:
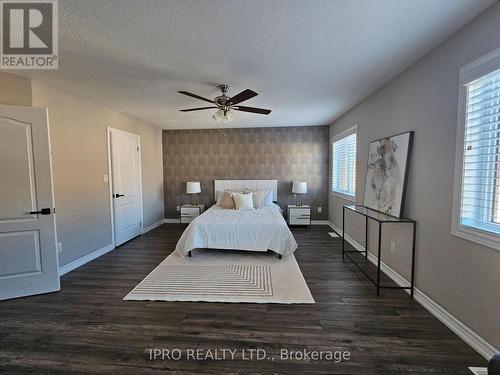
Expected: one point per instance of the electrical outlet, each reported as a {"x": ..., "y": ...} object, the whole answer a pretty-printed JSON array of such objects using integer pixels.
[
  {"x": 178, "y": 208},
  {"x": 320, "y": 209},
  {"x": 59, "y": 247},
  {"x": 393, "y": 247}
]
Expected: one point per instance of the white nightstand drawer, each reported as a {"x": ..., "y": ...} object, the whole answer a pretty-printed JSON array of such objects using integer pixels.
[
  {"x": 299, "y": 215},
  {"x": 300, "y": 220},
  {"x": 190, "y": 212}
]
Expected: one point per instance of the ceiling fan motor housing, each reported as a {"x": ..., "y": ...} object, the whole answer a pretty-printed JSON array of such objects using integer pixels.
[{"x": 222, "y": 101}]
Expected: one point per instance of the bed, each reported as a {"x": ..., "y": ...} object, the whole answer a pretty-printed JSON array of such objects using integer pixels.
[{"x": 254, "y": 230}]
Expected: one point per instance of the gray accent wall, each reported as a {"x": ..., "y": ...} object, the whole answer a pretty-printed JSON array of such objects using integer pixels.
[
  {"x": 285, "y": 154},
  {"x": 461, "y": 276}
]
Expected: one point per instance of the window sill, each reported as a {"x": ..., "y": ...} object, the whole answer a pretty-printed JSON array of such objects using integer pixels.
[
  {"x": 478, "y": 236},
  {"x": 344, "y": 196}
]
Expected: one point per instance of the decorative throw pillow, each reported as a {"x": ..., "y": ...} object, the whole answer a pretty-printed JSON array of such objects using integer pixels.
[
  {"x": 227, "y": 200},
  {"x": 243, "y": 201},
  {"x": 259, "y": 197}
]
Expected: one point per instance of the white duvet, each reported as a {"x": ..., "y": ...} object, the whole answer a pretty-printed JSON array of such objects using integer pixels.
[{"x": 255, "y": 230}]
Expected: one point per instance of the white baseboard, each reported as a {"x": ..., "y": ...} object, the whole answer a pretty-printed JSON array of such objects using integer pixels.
[
  {"x": 85, "y": 259},
  {"x": 313, "y": 222},
  {"x": 171, "y": 221},
  {"x": 319, "y": 222},
  {"x": 153, "y": 226},
  {"x": 465, "y": 333}
]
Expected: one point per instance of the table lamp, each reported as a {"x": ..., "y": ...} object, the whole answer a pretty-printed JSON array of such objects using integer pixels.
[
  {"x": 193, "y": 187},
  {"x": 299, "y": 188}
]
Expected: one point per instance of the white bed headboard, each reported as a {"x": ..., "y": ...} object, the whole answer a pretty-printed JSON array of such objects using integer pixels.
[{"x": 221, "y": 185}]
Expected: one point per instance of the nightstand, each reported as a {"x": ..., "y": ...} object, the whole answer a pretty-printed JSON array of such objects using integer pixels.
[
  {"x": 190, "y": 211},
  {"x": 299, "y": 215}
]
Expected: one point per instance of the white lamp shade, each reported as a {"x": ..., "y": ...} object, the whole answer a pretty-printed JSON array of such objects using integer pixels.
[
  {"x": 299, "y": 187},
  {"x": 193, "y": 187}
]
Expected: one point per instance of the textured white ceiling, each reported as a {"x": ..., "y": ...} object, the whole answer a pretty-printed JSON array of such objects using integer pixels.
[{"x": 310, "y": 61}]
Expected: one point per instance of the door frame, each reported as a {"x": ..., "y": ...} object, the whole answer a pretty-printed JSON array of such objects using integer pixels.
[{"x": 109, "y": 132}]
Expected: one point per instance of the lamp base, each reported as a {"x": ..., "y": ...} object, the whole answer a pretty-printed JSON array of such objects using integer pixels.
[
  {"x": 298, "y": 200},
  {"x": 194, "y": 201}
]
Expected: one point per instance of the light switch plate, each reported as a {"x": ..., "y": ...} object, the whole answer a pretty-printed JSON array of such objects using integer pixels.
[
  {"x": 59, "y": 247},
  {"x": 106, "y": 178}
]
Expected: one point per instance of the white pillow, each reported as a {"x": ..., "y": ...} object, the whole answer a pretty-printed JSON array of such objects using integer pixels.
[
  {"x": 259, "y": 197},
  {"x": 243, "y": 201},
  {"x": 268, "y": 200}
]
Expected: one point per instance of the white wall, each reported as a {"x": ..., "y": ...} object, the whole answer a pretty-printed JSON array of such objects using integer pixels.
[
  {"x": 14, "y": 89},
  {"x": 79, "y": 159},
  {"x": 461, "y": 276}
]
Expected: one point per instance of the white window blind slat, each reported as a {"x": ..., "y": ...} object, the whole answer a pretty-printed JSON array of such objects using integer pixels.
[
  {"x": 480, "y": 196},
  {"x": 344, "y": 165}
]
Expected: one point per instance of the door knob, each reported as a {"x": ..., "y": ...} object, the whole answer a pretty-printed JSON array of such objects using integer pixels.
[
  {"x": 43, "y": 211},
  {"x": 119, "y": 195}
]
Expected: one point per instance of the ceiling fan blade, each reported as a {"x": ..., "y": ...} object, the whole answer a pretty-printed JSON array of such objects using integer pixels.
[
  {"x": 262, "y": 111},
  {"x": 242, "y": 96},
  {"x": 195, "y": 109},
  {"x": 195, "y": 96}
]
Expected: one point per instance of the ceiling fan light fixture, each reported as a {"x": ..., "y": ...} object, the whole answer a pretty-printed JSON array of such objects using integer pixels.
[
  {"x": 229, "y": 116},
  {"x": 223, "y": 116},
  {"x": 217, "y": 116}
]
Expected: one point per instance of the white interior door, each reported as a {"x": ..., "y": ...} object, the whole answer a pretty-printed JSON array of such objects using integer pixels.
[
  {"x": 28, "y": 255},
  {"x": 126, "y": 184}
]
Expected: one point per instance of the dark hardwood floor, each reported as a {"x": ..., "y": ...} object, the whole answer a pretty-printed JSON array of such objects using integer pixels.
[{"x": 87, "y": 327}]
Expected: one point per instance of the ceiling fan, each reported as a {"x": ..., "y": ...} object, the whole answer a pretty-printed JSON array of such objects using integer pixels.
[{"x": 226, "y": 104}]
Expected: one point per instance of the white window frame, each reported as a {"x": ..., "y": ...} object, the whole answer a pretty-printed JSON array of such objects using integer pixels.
[
  {"x": 469, "y": 73},
  {"x": 351, "y": 130}
]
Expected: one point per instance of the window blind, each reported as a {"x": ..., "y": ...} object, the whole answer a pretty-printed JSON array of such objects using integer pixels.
[
  {"x": 480, "y": 198},
  {"x": 344, "y": 165}
]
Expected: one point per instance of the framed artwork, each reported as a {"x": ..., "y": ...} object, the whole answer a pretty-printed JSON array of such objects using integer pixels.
[{"x": 387, "y": 173}]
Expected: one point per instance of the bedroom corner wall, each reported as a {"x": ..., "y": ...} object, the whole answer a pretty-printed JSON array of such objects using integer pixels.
[
  {"x": 14, "y": 89},
  {"x": 286, "y": 154},
  {"x": 461, "y": 276},
  {"x": 79, "y": 159}
]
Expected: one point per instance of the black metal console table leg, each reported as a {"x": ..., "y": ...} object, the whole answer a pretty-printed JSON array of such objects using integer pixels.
[
  {"x": 379, "y": 246},
  {"x": 343, "y": 231},
  {"x": 366, "y": 237},
  {"x": 412, "y": 280}
]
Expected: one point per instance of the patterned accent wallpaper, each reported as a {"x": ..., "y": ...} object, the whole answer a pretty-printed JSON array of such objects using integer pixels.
[{"x": 284, "y": 153}]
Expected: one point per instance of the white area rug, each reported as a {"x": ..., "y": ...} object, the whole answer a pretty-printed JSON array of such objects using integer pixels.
[
  {"x": 333, "y": 234},
  {"x": 225, "y": 276}
]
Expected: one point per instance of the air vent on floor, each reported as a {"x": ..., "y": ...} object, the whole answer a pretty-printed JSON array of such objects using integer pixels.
[{"x": 479, "y": 370}]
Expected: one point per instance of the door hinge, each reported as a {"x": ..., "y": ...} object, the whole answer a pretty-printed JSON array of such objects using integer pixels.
[{"x": 137, "y": 148}]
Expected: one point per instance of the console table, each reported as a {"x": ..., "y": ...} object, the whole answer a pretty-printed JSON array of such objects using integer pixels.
[{"x": 381, "y": 218}]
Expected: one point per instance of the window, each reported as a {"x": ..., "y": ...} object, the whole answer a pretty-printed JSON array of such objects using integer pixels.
[
  {"x": 344, "y": 163},
  {"x": 477, "y": 205}
]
